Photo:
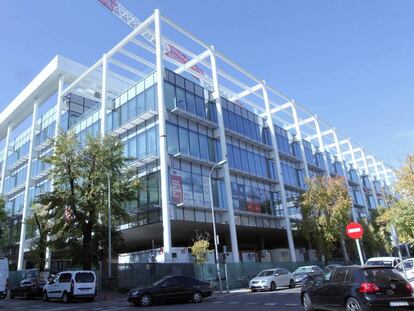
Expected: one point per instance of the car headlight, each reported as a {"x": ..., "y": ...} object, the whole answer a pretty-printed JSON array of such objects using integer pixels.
[{"x": 134, "y": 293}]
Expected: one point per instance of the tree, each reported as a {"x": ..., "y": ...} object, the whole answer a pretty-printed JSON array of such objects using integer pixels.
[
  {"x": 77, "y": 205},
  {"x": 405, "y": 178},
  {"x": 326, "y": 208},
  {"x": 40, "y": 221},
  {"x": 200, "y": 247},
  {"x": 3, "y": 219}
]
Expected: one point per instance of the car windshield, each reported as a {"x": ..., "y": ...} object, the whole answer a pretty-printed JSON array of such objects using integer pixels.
[
  {"x": 303, "y": 270},
  {"x": 387, "y": 263},
  {"x": 266, "y": 273},
  {"x": 84, "y": 277},
  {"x": 382, "y": 277}
]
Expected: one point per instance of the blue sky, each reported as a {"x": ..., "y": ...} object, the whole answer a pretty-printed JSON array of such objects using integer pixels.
[{"x": 349, "y": 61}]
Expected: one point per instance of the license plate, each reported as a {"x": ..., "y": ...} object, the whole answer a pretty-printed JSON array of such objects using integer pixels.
[{"x": 398, "y": 303}]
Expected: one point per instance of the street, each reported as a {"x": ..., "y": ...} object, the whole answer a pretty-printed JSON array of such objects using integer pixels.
[{"x": 284, "y": 299}]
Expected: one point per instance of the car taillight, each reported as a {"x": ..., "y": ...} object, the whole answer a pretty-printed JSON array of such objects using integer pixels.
[
  {"x": 368, "y": 288},
  {"x": 409, "y": 287}
]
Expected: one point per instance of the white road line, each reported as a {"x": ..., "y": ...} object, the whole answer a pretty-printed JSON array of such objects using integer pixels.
[
  {"x": 271, "y": 304},
  {"x": 251, "y": 303},
  {"x": 233, "y": 302},
  {"x": 291, "y": 305},
  {"x": 217, "y": 301}
]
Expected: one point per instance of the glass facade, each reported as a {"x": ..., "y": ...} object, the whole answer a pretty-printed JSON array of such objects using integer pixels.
[{"x": 193, "y": 147}]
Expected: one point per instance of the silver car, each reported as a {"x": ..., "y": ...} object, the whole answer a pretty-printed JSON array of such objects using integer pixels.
[{"x": 272, "y": 279}]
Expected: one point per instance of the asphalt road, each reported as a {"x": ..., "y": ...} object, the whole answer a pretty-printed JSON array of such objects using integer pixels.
[{"x": 284, "y": 299}]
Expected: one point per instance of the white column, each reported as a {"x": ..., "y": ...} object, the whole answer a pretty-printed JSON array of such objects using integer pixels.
[
  {"x": 341, "y": 159},
  {"x": 384, "y": 171},
  {"x": 378, "y": 176},
  {"x": 104, "y": 93},
  {"x": 5, "y": 156},
  {"x": 322, "y": 146},
  {"x": 61, "y": 84},
  {"x": 279, "y": 174},
  {"x": 374, "y": 193},
  {"x": 225, "y": 167},
  {"x": 166, "y": 222},
  {"x": 27, "y": 187},
  {"x": 354, "y": 163},
  {"x": 299, "y": 137},
  {"x": 59, "y": 106}
]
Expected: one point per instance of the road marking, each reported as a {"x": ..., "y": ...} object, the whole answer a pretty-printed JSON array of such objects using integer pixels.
[
  {"x": 100, "y": 308},
  {"x": 291, "y": 305},
  {"x": 271, "y": 304},
  {"x": 233, "y": 302},
  {"x": 251, "y": 303},
  {"x": 217, "y": 301}
]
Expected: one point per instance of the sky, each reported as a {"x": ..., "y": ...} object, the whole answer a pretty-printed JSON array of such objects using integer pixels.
[{"x": 349, "y": 61}]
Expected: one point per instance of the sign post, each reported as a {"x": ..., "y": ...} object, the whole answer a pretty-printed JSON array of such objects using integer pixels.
[
  {"x": 396, "y": 243},
  {"x": 355, "y": 231}
]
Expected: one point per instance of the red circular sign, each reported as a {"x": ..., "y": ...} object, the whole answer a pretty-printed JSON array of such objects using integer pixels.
[{"x": 354, "y": 230}]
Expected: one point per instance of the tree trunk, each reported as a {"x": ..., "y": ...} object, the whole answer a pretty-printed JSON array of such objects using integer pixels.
[
  {"x": 343, "y": 247},
  {"x": 87, "y": 249}
]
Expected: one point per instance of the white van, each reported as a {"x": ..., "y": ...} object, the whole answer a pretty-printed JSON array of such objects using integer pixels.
[
  {"x": 4, "y": 276},
  {"x": 383, "y": 261},
  {"x": 71, "y": 284}
]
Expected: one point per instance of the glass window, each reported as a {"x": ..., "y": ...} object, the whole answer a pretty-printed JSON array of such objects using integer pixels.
[
  {"x": 181, "y": 102},
  {"x": 141, "y": 145},
  {"x": 200, "y": 110},
  {"x": 150, "y": 98},
  {"x": 203, "y": 147},
  {"x": 339, "y": 276},
  {"x": 65, "y": 278},
  {"x": 151, "y": 141},
  {"x": 169, "y": 93},
  {"x": 172, "y": 138},
  {"x": 140, "y": 103},
  {"x": 184, "y": 140},
  {"x": 190, "y": 103},
  {"x": 194, "y": 145}
]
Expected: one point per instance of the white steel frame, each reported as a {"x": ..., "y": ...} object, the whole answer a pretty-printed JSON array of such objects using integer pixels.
[{"x": 233, "y": 83}]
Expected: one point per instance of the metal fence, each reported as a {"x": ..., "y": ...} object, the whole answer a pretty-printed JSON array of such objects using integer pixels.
[{"x": 127, "y": 276}]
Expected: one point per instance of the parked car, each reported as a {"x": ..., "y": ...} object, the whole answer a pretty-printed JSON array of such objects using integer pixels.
[
  {"x": 67, "y": 285},
  {"x": 357, "y": 288},
  {"x": 332, "y": 266},
  {"x": 271, "y": 279},
  {"x": 4, "y": 277},
  {"x": 409, "y": 269},
  {"x": 171, "y": 288},
  {"x": 305, "y": 273},
  {"x": 28, "y": 288},
  {"x": 383, "y": 261}
]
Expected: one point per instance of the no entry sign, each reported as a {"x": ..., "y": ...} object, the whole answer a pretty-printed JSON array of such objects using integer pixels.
[{"x": 354, "y": 230}]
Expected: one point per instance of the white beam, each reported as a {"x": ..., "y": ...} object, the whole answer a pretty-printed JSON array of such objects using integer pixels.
[
  {"x": 5, "y": 157},
  {"x": 26, "y": 197},
  {"x": 246, "y": 92},
  {"x": 192, "y": 62}
]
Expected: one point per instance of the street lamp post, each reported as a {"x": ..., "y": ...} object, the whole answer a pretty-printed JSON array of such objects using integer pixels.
[{"x": 217, "y": 165}]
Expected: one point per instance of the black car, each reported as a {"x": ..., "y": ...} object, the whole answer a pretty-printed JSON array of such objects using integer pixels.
[
  {"x": 28, "y": 288},
  {"x": 171, "y": 288},
  {"x": 358, "y": 288}
]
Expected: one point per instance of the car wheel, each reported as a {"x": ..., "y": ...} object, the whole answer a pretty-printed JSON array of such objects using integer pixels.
[
  {"x": 11, "y": 294},
  {"x": 352, "y": 305},
  {"x": 145, "y": 300},
  {"x": 45, "y": 297},
  {"x": 273, "y": 286},
  {"x": 292, "y": 284},
  {"x": 196, "y": 297},
  {"x": 307, "y": 302},
  {"x": 254, "y": 290},
  {"x": 65, "y": 297}
]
